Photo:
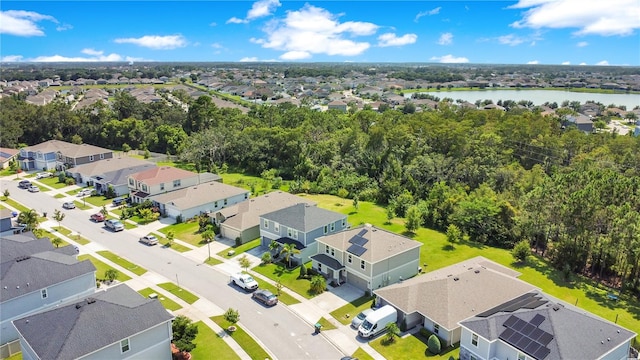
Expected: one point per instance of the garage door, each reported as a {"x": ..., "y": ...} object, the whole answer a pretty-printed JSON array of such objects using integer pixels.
[{"x": 357, "y": 281}]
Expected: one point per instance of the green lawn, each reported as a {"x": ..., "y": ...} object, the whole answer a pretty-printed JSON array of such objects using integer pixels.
[
  {"x": 16, "y": 205},
  {"x": 52, "y": 182},
  {"x": 82, "y": 205},
  {"x": 175, "y": 246},
  {"x": 77, "y": 238},
  {"x": 101, "y": 267},
  {"x": 352, "y": 309},
  {"x": 166, "y": 302},
  {"x": 73, "y": 192},
  {"x": 187, "y": 232},
  {"x": 128, "y": 225},
  {"x": 239, "y": 249},
  {"x": 213, "y": 261},
  {"x": 183, "y": 294},
  {"x": 16, "y": 356},
  {"x": 246, "y": 342},
  {"x": 51, "y": 236},
  {"x": 245, "y": 182},
  {"x": 326, "y": 324},
  {"x": 63, "y": 230},
  {"x": 288, "y": 278},
  {"x": 122, "y": 262},
  {"x": 284, "y": 297},
  {"x": 410, "y": 347},
  {"x": 59, "y": 196},
  {"x": 209, "y": 343},
  {"x": 362, "y": 355},
  {"x": 97, "y": 200}
]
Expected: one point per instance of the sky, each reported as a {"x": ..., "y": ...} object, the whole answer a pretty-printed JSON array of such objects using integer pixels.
[{"x": 546, "y": 32}]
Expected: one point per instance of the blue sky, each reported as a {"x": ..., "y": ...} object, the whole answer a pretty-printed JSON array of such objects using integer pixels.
[{"x": 589, "y": 32}]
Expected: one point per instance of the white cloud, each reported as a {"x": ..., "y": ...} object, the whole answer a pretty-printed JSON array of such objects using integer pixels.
[
  {"x": 566, "y": 63},
  {"x": 92, "y": 52},
  {"x": 156, "y": 42},
  {"x": 235, "y": 20},
  {"x": 583, "y": 63},
  {"x": 533, "y": 62},
  {"x": 511, "y": 40},
  {"x": 262, "y": 8},
  {"x": 22, "y": 23},
  {"x": 450, "y": 59},
  {"x": 216, "y": 46},
  {"x": 255, "y": 59},
  {"x": 390, "y": 39},
  {"x": 314, "y": 30},
  {"x": 606, "y": 18},
  {"x": 433, "y": 11},
  {"x": 11, "y": 58},
  {"x": 603, "y": 63},
  {"x": 295, "y": 55},
  {"x": 213, "y": 24},
  {"x": 64, "y": 27},
  {"x": 92, "y": 56},
  {"x": 582, "y": 44},
  {"x": 445, "y": 39}
]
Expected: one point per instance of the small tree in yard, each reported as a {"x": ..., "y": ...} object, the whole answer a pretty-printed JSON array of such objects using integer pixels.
[
  {"x": 208, "y": 236},
  {"x": 393, "y": 331},
  {"x": 58, "y": 216},
  {"x": 266, "y": 258},
  {"x": 244, "y": 261},
  {"x": 303, "y": 271},
  {"x": 56, "y": 241},
  {"x": 288, "y": 250},
  {"x": 232, "y": 315},
  {"x": 433, "y": 344},
  {"x": 454, "y": 235},
  {"x": 412, "y": 222},
  {"x": 170, "y": 237},
  {"x": 521, "y": 251},
  {"x": 111, "y": 275},
  {"x": 6, "y": 193},
  {"x": 279, "y": 287},
  {"x": 184, "y": 332},
  {"x": 318, "y": 284},
  {"x": 104, "y": 211}
]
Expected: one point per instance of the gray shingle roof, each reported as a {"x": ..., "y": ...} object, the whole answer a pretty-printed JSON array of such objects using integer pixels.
[
  {"x": 304, "y": 217},
  {"x": 79, "y": 329},
  {"x": 121, "y": 176},
  {"x": 328, "y": 261},
  {"x": 577, "y": 334},
  {"x": 14, "y": 246},
  {"x": 110, "y": 165}
]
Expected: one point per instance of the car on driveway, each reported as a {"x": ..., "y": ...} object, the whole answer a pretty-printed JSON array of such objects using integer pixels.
[
  {"x": 84, "y": 192},
  {"x": 265, "y": 296},
  {"x": 97, "y": 217},
  {"x": 149, "y": 240},
  {"x": 43, "y": 175},
  {"x": 34, "y": 188},
  {"x": 360, "y": 318},
  {"x": 69, "y": 205},
  {"x": 24, "y": 184}
]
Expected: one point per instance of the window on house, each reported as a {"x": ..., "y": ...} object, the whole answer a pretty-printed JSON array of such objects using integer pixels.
[
  {"x": 44, "y": 294},
  {"x": 326, "y": 229},
  {"x": 326, "y": 249},
  {"x": 522, "y": 356},
  {"x": 319, "y": 267},
  {"x": 276, "y": 227},
  {"x": 176, "y": 183},
  {"x": 131, "y": 182},
  {"x": 101, "y": 156},
  {"x": 90, "y": 157},
  {"x": 333, "y": 252},
  {"x": 333, "y": 226},
  {"x": 162, "y": 186},
  {"x": 474, "y": 340},
  {"x": 246, "y": 196},
  {"x": 215, "y": 204},
  {"x": 145, "y": 188},
  {"x": 436, "y": 328},
  {"x": 225, "y": 201},
  {"x": 124, "y": 346},
  {"x": 362, "y": 266},
  {"x": 344, "y": 223},
  {"x": 266, "y": 224},
  {"x": 349, "y": 259}
]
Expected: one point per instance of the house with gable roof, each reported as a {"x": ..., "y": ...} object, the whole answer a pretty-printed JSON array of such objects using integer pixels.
[
  {"x": 117, "y": 323},
  {"x": 6, "y": 155},
  {"x": 57, "y": 154},
  {"x": 94, "y": 173},
  {"x": 160, "y": 180},
  {"x": 366, "y": 257},
  {"x": 36, "y": 277}
]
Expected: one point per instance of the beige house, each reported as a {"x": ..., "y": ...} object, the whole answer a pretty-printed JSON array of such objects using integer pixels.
[
  {"x": 160, "y": 180},
  {"x": 440, "y": 300}
]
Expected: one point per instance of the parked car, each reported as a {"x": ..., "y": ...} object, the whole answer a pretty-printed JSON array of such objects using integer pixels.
[
  {"x": 24, "y": 184},
  {"x": 34, "y": 188},
  {"x": 244, "y": 281},
  {"x": 114, "y": 225},
  {"x": 97, "y": 217},
  {"x": 360, "y": 318},
  {"x": 85, "y": 192},
  {"x": 265, "y": 296},
  {"x": 69, "y": 205},
  {"x": 117, "y": 201},
  {"x": 42, "y": 175},
  {"x": 149, "y": 240}
]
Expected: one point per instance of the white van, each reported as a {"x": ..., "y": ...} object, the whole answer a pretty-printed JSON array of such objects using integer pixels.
[{"x": 376, "y": 322}]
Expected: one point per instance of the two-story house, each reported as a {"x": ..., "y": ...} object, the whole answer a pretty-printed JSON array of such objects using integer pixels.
[
  {"x": 160, "y": 180},
  {"x": 60, "y": 155},
  {"x": 301, "y": 225},
  {"x": 114, "y": 324},
  {"x": 366, "y": 257},
  {"x": 35, "y": 277},
  {"x": 537, "y": 326},
  {"x": 87, "y": 174}
]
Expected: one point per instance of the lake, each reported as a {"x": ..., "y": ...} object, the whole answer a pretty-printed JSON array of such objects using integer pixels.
[{"x": 538, "y": 97}]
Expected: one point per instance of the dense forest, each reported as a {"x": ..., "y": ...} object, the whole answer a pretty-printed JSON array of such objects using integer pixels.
[{"x": 498, "y": 176}]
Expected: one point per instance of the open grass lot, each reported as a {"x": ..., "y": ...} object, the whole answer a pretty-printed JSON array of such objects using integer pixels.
[
  {"x": 183, "y": 294},
  {"x": 239, "y": 249},
  {"x": 52, "y": 182},
  {"x": 243, "y": 339},
  {"x": 288, "y": 278},
  {"x": 352, "y": 309},
  {"x": 245, "y": 182},
  {"x": 166, "y": 302},
  {"x": 410, "y": 347},
  {"x": 101, "y": 267},
  {"x": 187, "y": 232},
  {"x": 97, "y": 200},
  {"x": 16, "y": 205},
  {"x": 122, "y": 262},
  {"x": 283, "y": 297},
  {"x": 209, "y": 343}
]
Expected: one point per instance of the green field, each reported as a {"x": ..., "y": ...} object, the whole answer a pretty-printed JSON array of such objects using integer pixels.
[
  {"x": 288, "y": 278},
  {"x": 183, "y": 294},
  {"x": 53, "y": 182},
  {"x": 208, "y": 343},
  {"x": 187, "y": 232},
  {"x": 240, "y": 249},
  {"x": 101, "y": 268},
  {"x": 166, "y": 302},
  {"x": 16, "y": 205},
  {"x": 246, "y": 342},
  {"x": 122, "y": 262}
]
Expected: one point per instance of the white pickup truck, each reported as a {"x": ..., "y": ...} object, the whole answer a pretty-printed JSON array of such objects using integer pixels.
[{"x": 244, "y": 281}]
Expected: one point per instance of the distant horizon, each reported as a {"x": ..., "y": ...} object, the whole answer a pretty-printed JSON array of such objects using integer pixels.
[{"x": 523, "y": 32}]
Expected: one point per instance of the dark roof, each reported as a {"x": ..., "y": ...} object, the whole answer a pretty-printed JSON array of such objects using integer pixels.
[
  {"x": 575, "y": 334},
  {"x": 304, "y": 217},
  {"x": 121, "y": 176},
  {"x": 286, "y": 240},
  {"x": 23, "y": 244},
  {"x": 87, "y": 326},
  {"x": 328, "y": 261}
]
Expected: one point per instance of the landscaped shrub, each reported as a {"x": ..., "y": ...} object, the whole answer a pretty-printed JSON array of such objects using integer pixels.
[
  {"x": 303, "y": 271},
  {"x": 238, "y": 240},
  {"x": 266, "y": 257},
  {"x": 424, "y": 332},
  {"x": 232, "y": 315},
  {"x": 434, "y": 345}
]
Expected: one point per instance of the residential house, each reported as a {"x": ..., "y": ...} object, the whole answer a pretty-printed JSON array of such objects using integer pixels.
[
  {"x": 440, "y": 299},
  {"x": 337, "y": 105},
  {"x": 366, "y": 257},
  {"x": 86, "y": 174},
  {"x": 159, "y": 180},
  {"x": 203, "y": 198},
  {"x": 540, "y": 327},
  {"x": 300, "y": 224},
  {"x": 8, "y": 226},
  {"x": 57, "y": 154},
  {"x": 36, "y": 277},
  {"x": 114, "y": 324},
  {"x": 243, "y": 219},
  {"x": 6, "y": 156},
  {"x": 582, "y": 122}
]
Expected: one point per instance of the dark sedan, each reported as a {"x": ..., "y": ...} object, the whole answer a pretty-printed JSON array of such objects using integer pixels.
[{"x": 265, "y": 296}]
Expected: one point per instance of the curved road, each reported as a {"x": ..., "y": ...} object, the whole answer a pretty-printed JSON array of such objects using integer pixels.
[{"x": 285, "y": 334}]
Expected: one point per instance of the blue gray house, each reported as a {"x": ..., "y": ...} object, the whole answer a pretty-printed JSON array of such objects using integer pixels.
[
  {"x": 301, "y": 225},
  {"x": 36, "y": 277},
  {"x": 114, "y": 324},
  {"x": 57, "y": 154}
]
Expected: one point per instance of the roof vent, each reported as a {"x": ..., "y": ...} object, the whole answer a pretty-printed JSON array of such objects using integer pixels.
[
  {"x": 6, "y": 289},
  {"x": 477, "y": 271},
  {"x": 456, "y": 278},
  {"x": 608, "y": 339},
  {"x": 556, "y": 307},
  {"x": 17, "y": 286},
  {"x": 91, "y": 300},
  {"x": 601, "y": 342},
  {"x": 78, "y": 306}
]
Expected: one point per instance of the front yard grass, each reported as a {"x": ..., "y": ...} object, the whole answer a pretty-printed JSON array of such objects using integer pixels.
[
  {"x": 49, "y": 234},
  {"x": 52, "y": 182},
  {"x": 213, "y": 261},
  {"x": 97, "y": 200},
  {"x": 122, "y": 262},
  {"x": 102, "y": 267},
  {"x": 410, "y": 347},
  {"x": 174, "y": 245},
  {"x": 283, "y": 297},
  {"x": 187, "y": 232},
  {"x": 81, "y": 205},
  {"x": 239, "y": 249},
  {"x": 362, "y": 355},
  {"x": 246, "y": 342},
  {"x": 326, "y": 324},
  {"x": 288, "y": 278},
  {"x": 183, "y": 294},
  {"x": 352, "y": 309},
  {"x": 59, "y": 196},
  {"x": 77, "y": 238},
  {"x": 166, "y": 302},
  {"x": 209, "y": 343}
]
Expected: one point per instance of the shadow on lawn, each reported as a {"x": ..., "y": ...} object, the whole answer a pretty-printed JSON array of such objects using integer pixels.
[{"x": 542, "y": 267}]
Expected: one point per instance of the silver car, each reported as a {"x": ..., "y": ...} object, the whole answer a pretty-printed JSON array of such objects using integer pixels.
[
  {"x": 149, "y": 240},
  {"x": 355, "y": 323}
]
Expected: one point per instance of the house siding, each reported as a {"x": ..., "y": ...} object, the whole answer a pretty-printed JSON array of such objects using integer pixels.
[
  {"x": 154, "y": 343},
  {"x": 482, "y": 351},
  {"x": 391, "y": 270},
  {"x": 208, "y": 207}
]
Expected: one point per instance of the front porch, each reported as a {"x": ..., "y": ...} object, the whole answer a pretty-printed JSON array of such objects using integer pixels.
[{"x": 330, "y": 268}]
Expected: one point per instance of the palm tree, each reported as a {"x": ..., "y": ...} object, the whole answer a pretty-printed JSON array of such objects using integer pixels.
[
  {"x": 29, "y": 218},
  {"x": 273, "y": 246},
  {"x": 288, "y": 250},
  {"x": 392, "y": 331}
]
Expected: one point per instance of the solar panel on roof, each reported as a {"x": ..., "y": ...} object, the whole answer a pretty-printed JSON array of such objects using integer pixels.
[
  {"x": 537, "y": 320},
  {"x": 534, "y": 304},
  {"x": 519, "y": 324},
  {"x": 358, "y": 240},
  {"x": 541, "y": 353},
  {"x": 362, "y": 232},
  {"x": 527, "y": 329},
  {"x": 523, "y": 342},
  {"x": 532, "y": 348},
  {"x": 510, "y": 321},
  {"x": 506, "y": 334},
  {"x": 536, "y": 333},
  {"x": 356, "y": 250},
  {"x": 545, "y": 338}
]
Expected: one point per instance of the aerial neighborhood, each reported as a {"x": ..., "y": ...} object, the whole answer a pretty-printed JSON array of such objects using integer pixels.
[{"x": 339, "y": 212}]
